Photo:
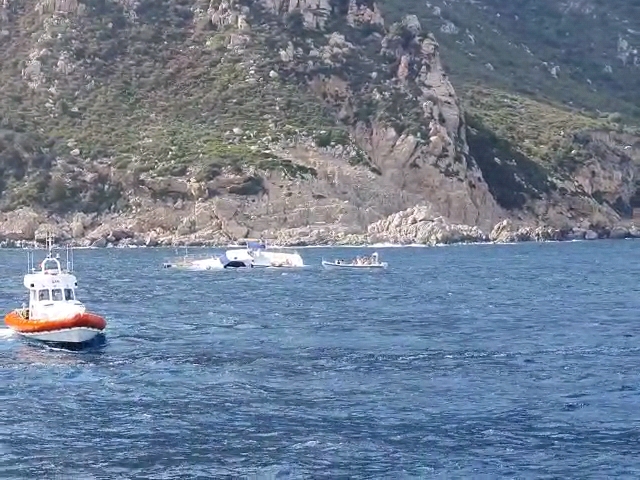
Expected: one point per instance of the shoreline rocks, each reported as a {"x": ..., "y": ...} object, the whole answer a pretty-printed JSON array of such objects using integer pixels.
[
  {"x": 506, "y": 232},
  {"x": 420, "y": 225}
]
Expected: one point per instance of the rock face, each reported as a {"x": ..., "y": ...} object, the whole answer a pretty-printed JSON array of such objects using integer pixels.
[
  {"x": 430, "y": 155},
  {"x": 601, "y": 190},
  {"x": 21, "y": 224}
]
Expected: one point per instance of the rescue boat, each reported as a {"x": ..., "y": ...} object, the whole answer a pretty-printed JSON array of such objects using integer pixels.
[{"x": 54, "y": 314}]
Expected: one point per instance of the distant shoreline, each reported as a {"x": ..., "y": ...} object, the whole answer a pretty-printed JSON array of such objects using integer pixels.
[{"x": 41, "y": 246}]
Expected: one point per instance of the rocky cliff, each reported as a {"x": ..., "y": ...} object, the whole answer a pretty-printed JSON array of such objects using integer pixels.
[{"x": 309, "y": 121}]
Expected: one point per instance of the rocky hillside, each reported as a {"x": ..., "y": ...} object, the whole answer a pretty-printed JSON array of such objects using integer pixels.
[
  {"x": 577, "y": 52},
  {"x": 551, "y": 94},
  {"x": 190, "y": 121}
]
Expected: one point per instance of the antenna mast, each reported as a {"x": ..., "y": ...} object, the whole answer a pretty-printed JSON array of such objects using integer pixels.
[
  {"x": 49, "y": 244},
  {"x": 69, "y": 259}
]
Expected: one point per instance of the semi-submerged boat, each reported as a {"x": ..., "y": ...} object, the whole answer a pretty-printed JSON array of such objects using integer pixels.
[
  {"x": 257, "y": 255},
  {"x": 254, "y": 255},
  {"x": 54, "y": 314},
  {"x": 191, "y": 263},
  {"x": 372, "y": 262}
]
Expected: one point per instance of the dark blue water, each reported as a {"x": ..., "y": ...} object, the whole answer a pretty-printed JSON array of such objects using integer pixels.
[{"x": 474, "y": 361}]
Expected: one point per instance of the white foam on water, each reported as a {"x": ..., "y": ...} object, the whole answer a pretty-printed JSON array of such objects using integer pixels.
[{"x": 6, "y": 333}]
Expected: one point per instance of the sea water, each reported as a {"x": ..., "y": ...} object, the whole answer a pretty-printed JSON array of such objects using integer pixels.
[{"x": 475, "y": 361}]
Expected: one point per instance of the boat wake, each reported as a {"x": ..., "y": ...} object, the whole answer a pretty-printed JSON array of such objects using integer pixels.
[{"x": 6, "y": 333}]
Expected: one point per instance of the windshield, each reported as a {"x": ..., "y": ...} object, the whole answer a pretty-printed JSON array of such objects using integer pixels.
[
  {"x": 68, "y": 294},
  {"x": 43, "y": 295},
  {"x": 56, "y": 294}
]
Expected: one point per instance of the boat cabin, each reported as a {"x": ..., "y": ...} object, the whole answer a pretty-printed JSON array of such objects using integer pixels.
[{"x": 50, "y": 286}]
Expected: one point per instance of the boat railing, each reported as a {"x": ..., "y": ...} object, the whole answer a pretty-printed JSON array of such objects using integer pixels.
[
  {"x": 49, "y": 245},
  {"x": 56, "y": 270}
]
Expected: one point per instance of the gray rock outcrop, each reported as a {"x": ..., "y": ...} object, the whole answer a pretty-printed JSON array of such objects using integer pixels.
[
  {"x": 507, "y": 232},
  {"x": 422, "y": 225}
]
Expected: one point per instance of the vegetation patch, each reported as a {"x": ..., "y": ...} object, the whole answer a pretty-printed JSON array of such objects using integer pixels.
[
  {"x": 571, "y": 53},
  {"x": 512, "y": 177}
]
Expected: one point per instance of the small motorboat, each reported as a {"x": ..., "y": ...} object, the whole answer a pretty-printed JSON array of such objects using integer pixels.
[
  {"x": 54, "y": 314},
  {"x": 372, "y": 262}
]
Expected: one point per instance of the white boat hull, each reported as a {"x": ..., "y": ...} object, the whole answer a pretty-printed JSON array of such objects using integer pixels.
[
  {"x": 66, "y": 335},
  {"x": 196, "y": 265},
  {"x": 333, "y": 265},
  {"x": 265, "y": 258},
  {"x": 277, "y": 260},
  {"x": 240, "y": 258}
]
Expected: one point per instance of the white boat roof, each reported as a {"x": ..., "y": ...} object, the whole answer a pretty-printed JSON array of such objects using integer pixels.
[
  {"x": 50, "y": 276},
  {"x": 46, "y": 281}
]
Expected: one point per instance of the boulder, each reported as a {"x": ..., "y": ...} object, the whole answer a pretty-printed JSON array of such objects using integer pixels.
[
  {"x": 619, "y": 232},
  {"x": 507, "y": 232},
  {"x": 590, "y": 235},
  {"x": 151, "y": 240},
  {"x": 77, "y": 229},
  {"x": 576, "y": 234},
  {"x": 103, "y": 231},
  {"x": 634, "y": 232},
  {"x": 503, "y": 232},
  {"x": 99, "y": 243},
  {"x": 546, "y": 234},
  {"x": 235, "y": 230},
  {"x": 121, "y": 233}
]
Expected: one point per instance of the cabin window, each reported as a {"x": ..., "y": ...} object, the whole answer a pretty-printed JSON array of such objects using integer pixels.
[
  {"x": 57, "y": 294},
  {"x": 43, "y": 295},
  {"x": 68, "y": 294}
]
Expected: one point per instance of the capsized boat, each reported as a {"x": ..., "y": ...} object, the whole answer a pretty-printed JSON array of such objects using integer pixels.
[
  {"x": 189, "y": 263},
  {"x": 219, "y": 262},
  {"x": 54, "y": 314},
  {"x": 254, "y": 254},
  {"x": 372, "y": 262},
  {"x": 257, "y": 254},
  {"x": 212, "y": 263}
]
